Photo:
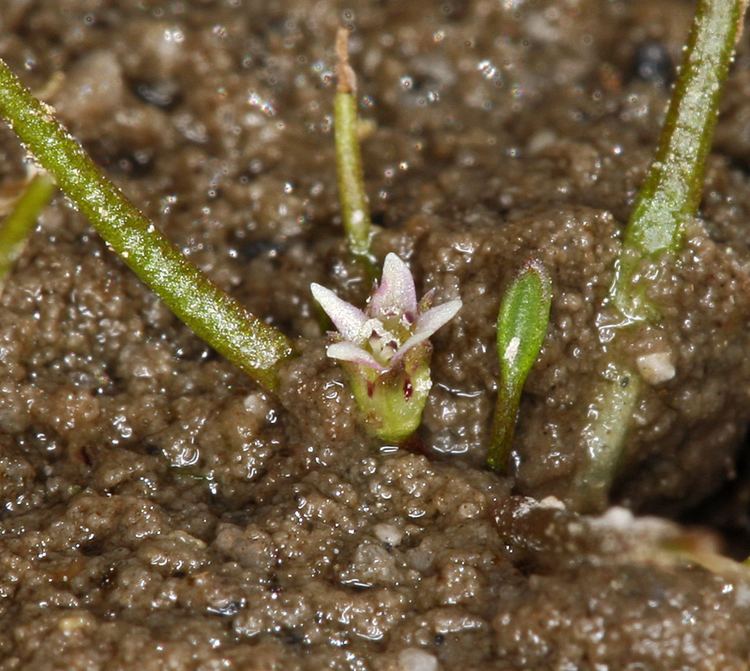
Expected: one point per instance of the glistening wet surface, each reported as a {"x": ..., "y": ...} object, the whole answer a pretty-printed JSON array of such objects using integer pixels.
[{"x": 161, "y": 511}]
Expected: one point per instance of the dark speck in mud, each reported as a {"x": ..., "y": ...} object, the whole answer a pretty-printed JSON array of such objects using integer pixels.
[
  {"x": 653, "y": 64},
  {"x": 254, "y": 248},
  {"x": 137, "y": 165},
  {"x": 162, "y": 94}
]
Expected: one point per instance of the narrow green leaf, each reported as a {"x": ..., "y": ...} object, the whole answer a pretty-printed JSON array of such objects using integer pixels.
[
  {"x": 521, "y": 328},
  {"x": 18, "y": 225},
  {"x": 214, "y": 316},
  {"x": 355, "y": 208}
]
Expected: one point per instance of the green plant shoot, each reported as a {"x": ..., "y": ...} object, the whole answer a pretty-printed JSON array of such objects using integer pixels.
[
  {"x": 521, "y": 328},
  {"x": 671, "y": 192},
  {"x": 17, "y": 226},
  {"x": 669, "y": 197},
  {"x": 214, "y": 316},
  {"x": 355, "y": 208},
  {"x": 607, "y": 421}
]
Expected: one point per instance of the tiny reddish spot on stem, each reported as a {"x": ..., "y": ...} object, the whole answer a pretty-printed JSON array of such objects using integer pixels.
[{"x": 408, "y": 388}]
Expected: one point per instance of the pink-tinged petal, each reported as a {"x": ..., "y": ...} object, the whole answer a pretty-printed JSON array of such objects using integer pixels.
[
  {"x": 428, "y": 323},
  {"x": 396, "y": 294},
  {"x": 345, "y": 317},
  {"x": 346, "y": 351}
]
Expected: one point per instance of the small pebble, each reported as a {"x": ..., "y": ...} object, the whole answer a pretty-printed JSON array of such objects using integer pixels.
[
  {"x": 656, "y": 368},
  {"x": 73, "y": 623},
  {"x": 414, "y": 659},
  {"x": 255, "y": 404},
  {"x": 388, "y": 533},
  {"x": 468, "y": 510},
  {"x": 552, "y": 502}
]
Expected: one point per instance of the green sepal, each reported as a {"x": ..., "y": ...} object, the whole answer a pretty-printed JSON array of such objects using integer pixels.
[{"x": 392, "y": 403}]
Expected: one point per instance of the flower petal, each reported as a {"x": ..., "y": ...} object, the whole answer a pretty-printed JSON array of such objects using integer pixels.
[
  {"x": 345, "y": 317},
  {"x": 428, "y": 323},
  {"x": 396, "y": 294},
  {"x": 346, "y": 351}
]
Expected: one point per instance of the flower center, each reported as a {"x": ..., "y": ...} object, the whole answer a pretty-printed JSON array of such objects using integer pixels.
[{"x": 380, "y": 341}]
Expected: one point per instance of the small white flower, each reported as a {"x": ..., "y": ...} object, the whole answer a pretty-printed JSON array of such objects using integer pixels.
[
  {"x": 385, "y": 348},
  {"x": 391, "y": 324}
]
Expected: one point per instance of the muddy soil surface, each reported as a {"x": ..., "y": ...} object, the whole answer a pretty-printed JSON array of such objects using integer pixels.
[{"x": 162, "y": 512}]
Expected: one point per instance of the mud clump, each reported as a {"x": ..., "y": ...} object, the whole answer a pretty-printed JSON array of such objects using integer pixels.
[{"x": 161, "y": 510}]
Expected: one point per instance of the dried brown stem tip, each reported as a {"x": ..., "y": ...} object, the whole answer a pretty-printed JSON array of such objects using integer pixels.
[{"x": 347, "y": 80}]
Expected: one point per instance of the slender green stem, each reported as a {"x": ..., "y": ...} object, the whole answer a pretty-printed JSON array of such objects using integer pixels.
[
  {"x": 668, "y": 199},
  {"x": 607, "y": 421},
  {"x": 17, "y": 226},
  {"x": 221, "y": 321},
  {"x": 503, "y": 427},
  {"x": 671, "y": 193},
  {"x": 355, "y": 208}
]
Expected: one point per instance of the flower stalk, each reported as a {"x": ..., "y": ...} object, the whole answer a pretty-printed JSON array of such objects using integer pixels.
[
  {"x": 210, "y": 313},
  {"x": 355, "y": 207}
]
